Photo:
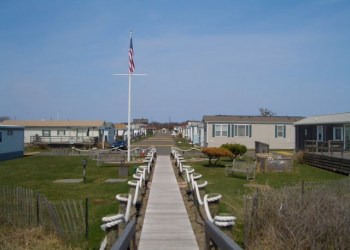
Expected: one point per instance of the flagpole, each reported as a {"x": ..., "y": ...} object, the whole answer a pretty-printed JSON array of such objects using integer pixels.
[
  {"x": 129, "y": 116},
  {"x": 129, "y": 97}
]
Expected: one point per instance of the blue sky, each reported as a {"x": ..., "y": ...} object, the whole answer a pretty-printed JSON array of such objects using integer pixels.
[{"x": 202, "y": 58}]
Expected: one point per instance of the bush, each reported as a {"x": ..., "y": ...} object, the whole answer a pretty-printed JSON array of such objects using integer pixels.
[
  {"x": 236, "y": 149},
  {"x": 216, "y": 153},
  {"x": 299, "y": 157}
]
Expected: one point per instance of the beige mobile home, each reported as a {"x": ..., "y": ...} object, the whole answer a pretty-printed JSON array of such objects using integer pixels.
[{"x": 277, "y": 131}]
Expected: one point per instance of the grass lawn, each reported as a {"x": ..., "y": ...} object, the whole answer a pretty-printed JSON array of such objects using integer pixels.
[
  {"x": 235, "y": 188},
  {"x": 39, "y": 172}
]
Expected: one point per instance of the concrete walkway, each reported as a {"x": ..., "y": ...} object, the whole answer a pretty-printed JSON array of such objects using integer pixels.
[{"x": 166, "y": 224}]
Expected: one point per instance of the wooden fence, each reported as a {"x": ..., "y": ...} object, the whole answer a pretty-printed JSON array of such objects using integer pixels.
[
  {"x": 110, "y": 157},
  {"x": 335, "y": 164},
  {"x": 21, "y": 207}
]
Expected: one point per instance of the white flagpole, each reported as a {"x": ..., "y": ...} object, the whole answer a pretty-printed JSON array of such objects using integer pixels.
[
  {"x": 129, "y": 105},
  {"x": 129, "y": 116}
]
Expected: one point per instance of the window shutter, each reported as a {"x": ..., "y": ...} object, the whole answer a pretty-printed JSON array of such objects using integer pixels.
[
  {"x": 233, "y": 130},
  {"x": 284, "y": 131},
  {"x": 250, "y": 130},
  {"x": 275, "y": 131},
  {"x": 228, "y": 130},
  {"x": 213, "y": 130}
]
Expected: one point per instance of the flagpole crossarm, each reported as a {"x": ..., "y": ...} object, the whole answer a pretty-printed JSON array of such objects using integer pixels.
[{"x": 131, "y": 74}]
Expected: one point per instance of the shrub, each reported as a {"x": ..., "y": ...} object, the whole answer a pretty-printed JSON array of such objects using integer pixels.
[
  {"x": 299, "y": 157},
  {"x": 216, "y": 153},
  {"x": 236, "y": 149}
]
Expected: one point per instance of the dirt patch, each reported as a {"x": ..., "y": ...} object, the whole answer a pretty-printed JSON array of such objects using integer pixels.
[
  {"x": 99, "y": 202},
  {"x": 182, "y": 184}
]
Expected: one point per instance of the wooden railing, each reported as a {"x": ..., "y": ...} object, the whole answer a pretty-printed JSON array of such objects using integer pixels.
[
  {"x": 313, "y": 146},
  {"x": 127, "y": 239},
  {"x": 63, "y": 139},
  {"x": 215, "y": 237}
]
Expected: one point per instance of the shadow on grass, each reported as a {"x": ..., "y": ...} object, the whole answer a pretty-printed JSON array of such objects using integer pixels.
[
  {"x": 116, "y": 165},
  {"x": 237, "y": 176},
  {"x": 208, "y": 165},
  {"x": 27, "y": 155}
]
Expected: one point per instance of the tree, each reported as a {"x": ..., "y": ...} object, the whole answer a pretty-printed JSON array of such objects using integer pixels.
[
  {"x": 236, "y": 149},
  {"x": 4, "y": 118},
  {"x": 216, "y": 153},
  {"x": 266, "y": 112}
]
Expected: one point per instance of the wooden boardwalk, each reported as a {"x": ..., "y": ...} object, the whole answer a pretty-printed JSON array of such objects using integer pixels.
[{"x": 166, "y": 224}]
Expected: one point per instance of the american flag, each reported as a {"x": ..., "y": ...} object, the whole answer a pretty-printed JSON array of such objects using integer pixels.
[{"x": 131, "y": 58}]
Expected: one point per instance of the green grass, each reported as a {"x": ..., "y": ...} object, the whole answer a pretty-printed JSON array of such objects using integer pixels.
[
  {"x": 234, "y": 188},
  {"x": 39, "y": 172},
  {"x": 183, "y": 143}
]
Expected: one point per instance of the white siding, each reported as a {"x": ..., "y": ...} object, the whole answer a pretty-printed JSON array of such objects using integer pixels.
[{"x": 71, "y": 132}]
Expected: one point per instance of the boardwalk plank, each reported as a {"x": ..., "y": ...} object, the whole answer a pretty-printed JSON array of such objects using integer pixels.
[{"x": 166, "y": 224}]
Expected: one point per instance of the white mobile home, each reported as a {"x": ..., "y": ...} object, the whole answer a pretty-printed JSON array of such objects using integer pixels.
[
  {"x": 65, "y": 132},
  {"x": 11, "y": 142},
  {"x": 194, "y": 132}
]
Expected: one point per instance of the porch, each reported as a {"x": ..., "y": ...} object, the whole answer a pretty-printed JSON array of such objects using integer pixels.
[
  {"x": 63, "y": 140},
  {"x": 330, "y": 147},
  {"x": 329, "y": 155}
]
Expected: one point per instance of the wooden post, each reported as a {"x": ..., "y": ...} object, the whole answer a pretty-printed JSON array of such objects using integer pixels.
[
  {"x": 37, "y": 210},
  {"x": 302, "y": 190},
  {"x": 86, "y": 218}
]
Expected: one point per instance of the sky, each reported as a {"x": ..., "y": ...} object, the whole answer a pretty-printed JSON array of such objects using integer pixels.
[{"x": 57, "y": 58}]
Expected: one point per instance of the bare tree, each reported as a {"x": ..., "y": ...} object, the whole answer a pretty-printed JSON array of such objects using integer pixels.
[
  {"x": 266, "y": 112},
  {"x": 4, "y": 118}
]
